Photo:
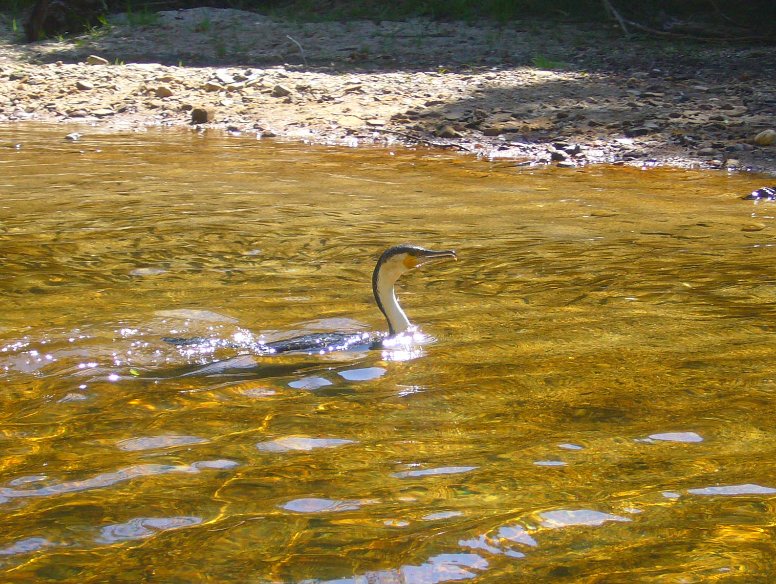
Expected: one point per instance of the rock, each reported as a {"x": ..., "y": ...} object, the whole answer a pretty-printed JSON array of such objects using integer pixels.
[
  {"x": 95, "y": 60},
  {"x": 84, "y": 85},
  {"x": 280, "y": 91},
  {"x": 516, "y": 138},
  {"x": 201, "y": 115},
  {"x": 566, "y": 164},
  {"x": 558, "y": 155},
  {"x": 225, "y": 77},
  {"x": 765, "y": 138},
  {"x": 102, "y": 112},
  {"x": 74, "y": 137},
  {"x": 491, "y": 131},
  {"x": 762, "y": 194},
  {"x": 707, "y": 152},
  {"x": 210, "y": 86},
  {"x": 163, "y": 91},
  {"x": 647, "y": 128},
  {"x": 447, "y": 131}
]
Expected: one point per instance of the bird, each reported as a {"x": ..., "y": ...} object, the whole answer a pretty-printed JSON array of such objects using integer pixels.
[{"x": 393, "y": 263}]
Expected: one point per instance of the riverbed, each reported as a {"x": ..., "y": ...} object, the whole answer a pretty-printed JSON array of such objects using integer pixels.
[{"x": 597, "y": 402}]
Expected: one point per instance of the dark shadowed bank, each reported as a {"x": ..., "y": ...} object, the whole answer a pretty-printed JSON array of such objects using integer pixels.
[{"x": 687, "y": 88}]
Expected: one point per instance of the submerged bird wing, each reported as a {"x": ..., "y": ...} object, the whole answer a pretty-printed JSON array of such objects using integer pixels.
[
  {"x": 324, "y": 343},
  {"x": 312, "y": 343}
]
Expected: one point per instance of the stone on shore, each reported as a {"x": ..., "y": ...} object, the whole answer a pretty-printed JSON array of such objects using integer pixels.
[
  {"x": 765, "y": 138},
  {"x": 95, "y": 60},
  {"x": 201, "y": 115}
]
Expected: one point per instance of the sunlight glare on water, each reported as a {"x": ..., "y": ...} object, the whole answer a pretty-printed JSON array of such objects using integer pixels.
[{"x": 596, "y": 406}]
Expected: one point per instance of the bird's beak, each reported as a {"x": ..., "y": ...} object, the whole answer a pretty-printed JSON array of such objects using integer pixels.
[{"x": 431, "y": 256}]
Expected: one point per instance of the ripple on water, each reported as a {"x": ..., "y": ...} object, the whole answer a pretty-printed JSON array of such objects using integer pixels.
[
  {"x": 321, "y": 505},
  {"x": 444, "y": 568},
  {"x": 688, "y": 437},
  {"x": 517, "y": 534},
  {"x": 549, "y": 463},
  {"x": 198, "y": 315},
  {"x": 441, "y": 515},
  {"x": 257, "y": 392},
  {"x": 310, "y": 383},
  {"x": 304, "y": 443},
  {"x": 365, "y": 374},
  {"x": 25, "y": 546},
  {"x": 442, "y": 470},
  {"x": 142, "y": 527},
  {"x": 153, "y": 442},
  {"x": 570, "y": 517},
  {"x": 482, "y": 542},
  {"x": 108, "y": 479},
  {"x": 435, "y": 570},
  {"x": 728, "y": 490}
]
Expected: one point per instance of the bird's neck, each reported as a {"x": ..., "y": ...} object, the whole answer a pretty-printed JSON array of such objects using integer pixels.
[{"x": 385, "y": 294}]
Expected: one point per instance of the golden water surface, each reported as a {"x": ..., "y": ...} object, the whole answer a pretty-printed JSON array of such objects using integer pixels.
[{"x": 598, "y": 405}]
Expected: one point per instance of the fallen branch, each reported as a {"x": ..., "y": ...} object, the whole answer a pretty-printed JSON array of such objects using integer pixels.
[
  {"x": 625, "y": 23},
  {"x": 611, "y": 11},
  {"x": 301, "y": 49}
]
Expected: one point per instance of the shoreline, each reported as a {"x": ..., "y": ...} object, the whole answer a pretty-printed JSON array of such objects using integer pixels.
[{"x": 566, "y": 95}]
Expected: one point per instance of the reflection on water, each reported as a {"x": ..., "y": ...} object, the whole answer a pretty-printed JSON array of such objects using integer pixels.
[{"x": 597, "y": 404}]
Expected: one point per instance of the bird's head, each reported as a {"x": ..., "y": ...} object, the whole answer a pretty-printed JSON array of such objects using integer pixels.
[
  {"x": 394, "y": 262},
  {"x": 400, "y": 259}
]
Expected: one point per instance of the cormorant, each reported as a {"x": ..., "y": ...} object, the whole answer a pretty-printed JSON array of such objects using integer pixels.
[{"x": 392, "y": 264}]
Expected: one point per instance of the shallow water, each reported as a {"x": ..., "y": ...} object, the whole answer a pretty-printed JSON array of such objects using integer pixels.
[{"x": 597, "y": 406}]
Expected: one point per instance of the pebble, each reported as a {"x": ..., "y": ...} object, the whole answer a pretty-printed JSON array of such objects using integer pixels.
[
  {"x": 558, "y": 155},
  {"x": 280, "y": 91},
  {"x": 641, "y": 130},
  {"x": 447, "y": 131},
  {"x": 163, "y": 91},
  {"x": 84, "y": 85},
  {"x": 225, "y": 77},
  {"x": 765, "y": 138},
  {"x": 95, "y": 60},
  {"x": 74, "y": 137},
  {"x": 201, "y": 115}
]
